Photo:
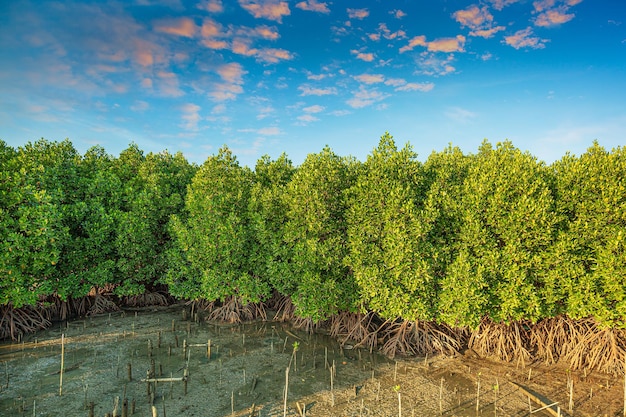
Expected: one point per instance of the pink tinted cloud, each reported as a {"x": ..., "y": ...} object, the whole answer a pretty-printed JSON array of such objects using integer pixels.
[
  {"x": 213, "y": 6},
  {"x": 487, "y": 33},
  {"x": 210, "y": 28},
  {"x": 232, "y": 72},
  {"x": 274, "y": 55},
  {"x": 358, "y": 13},
  {"x": 479, "y": 20},
  {"x": 415, "y": 41},
  {"x": 180, "y": 27},
  {"x": 501, "y": 4},
  {"x": 232, "y": 81},
  {"x": 313, "y": 6},
  {"x": 363, "y": 56},
  {"x": 473, "y": 17},
  {"x": 370, "y": 78},
  {"x": 398, "y": 14},
  {"x": 455, "y": 44},
  {"x": 553, "y": 17},
  {"x": 268, "y": 9},
  {"x": 525, "y": 39}
]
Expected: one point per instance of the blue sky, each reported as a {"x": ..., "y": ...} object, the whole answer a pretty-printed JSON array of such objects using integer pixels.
[{"x": 272, "y": 76}]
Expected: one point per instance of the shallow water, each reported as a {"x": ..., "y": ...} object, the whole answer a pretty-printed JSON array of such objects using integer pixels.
[{"x": 246, "y": 367}]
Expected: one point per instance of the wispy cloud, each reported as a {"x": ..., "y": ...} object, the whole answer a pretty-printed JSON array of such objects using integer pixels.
[
  {"x": 383, "y": 31},
  {"x": 307, "y": 118},
  {"x": 415, "y": 41},
  {"x": 370, "y": 78},
  {"x": 460, "y": 115},
  {"x": 181, "y": 27},
  {"x": 307, "y": 90},
  {"x": 553, "y": 12},
  {"x": 553, "y": 18},
  {"x": 313, "y": 6},
  {"x": 268, "y": 9},
  {"x": 525, "y": 39},
  {"x": 479, "y": 20},
  {"x": 398, "y": 14},
  {"x": 213, "y": 6},
  {"x": 191, "y": 117},
  {"x": 313, "y": 109},
  {"x": 358, "y": 13},
  {"x": 241, "y": 41},
  {"x": 501, "y": 4},
  {"x": 140, "y": 106},
  {"x": 364, "y": 97},
  {"x": 429, "y": 63},
  {"x": 363, "y": 56},
  {"x": 455, "y": 44},
  {"x": 232, "y": 81},
  {"x": 424, "y": 87}
]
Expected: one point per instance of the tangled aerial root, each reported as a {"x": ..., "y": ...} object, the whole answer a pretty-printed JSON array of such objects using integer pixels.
[
  {"x": 359, "y": 328},
  {"x": 146, "y": 299},
  {"x": 15, "y": 322},
  {"x": 101, "y": 305},
  {"x": 506, "y": 342},
  {"x": 285, "y": 309},
  {"x": 420, "y": 338},
  {"x": 233, "y": 311}
]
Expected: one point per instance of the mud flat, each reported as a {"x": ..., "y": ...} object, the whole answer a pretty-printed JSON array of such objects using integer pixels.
[{"x": 164, "y": 362}]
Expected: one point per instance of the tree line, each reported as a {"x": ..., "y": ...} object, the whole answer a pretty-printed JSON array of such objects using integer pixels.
[{"x": 453, "y": 240}]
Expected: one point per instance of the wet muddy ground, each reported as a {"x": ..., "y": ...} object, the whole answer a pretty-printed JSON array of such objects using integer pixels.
[{"x": 107, "y": 359}]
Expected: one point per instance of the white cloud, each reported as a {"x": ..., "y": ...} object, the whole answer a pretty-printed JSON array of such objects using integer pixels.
[
  {"x": 424, "y": 87},
  {"x": 191, "y": 117},
  {"x": 313, "y": 6},
  {"x": 525, "y": 39},
  {"x": 307, "y": 90},
  {"x": 313, "y": 109},
  {"x": 460, "y": 115},
  {"x": 364, "y": 97},
  {"x": 358, "y": 13},
  {"x": 370, "y": 78}
]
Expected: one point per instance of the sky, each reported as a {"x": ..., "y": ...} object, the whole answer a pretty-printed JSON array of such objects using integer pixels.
[{"x": 265, "y": 77}]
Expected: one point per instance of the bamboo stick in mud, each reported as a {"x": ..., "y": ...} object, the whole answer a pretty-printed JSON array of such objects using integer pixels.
[
  {"x": 129, "y": 370},
  {"x": 286, "y": 392},
  {"x": 62, "y": 364}
]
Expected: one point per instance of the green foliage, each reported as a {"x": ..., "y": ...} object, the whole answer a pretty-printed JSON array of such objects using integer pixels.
[
  {"x": 268, "y": 215},
  {"x": 316, "y": 237},
  {"x": 31, "y": 233},
  {"x": 214, "y": 240},
  {"x": 158, "y": 192},
  {"x": 387, "y": 235},
  {"x": 508, "y": 223},
  {"x": 587, "y": 262}
]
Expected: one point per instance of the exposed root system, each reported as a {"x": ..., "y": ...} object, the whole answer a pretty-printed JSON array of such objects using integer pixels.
[
  {"x": 233, "y": 311},
  {"x": 101, "y": 305},
  {"x": 146, "y": 299},
  {"x": 358, "y": 328},
  {"x": 419, "y": 338},
  {"x": 285, "y": 309},
  {"x": 506, "y": 342},
  {"x": 15, "y": 322}
]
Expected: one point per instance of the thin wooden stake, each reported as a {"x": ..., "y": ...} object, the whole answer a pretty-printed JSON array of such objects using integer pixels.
[
  {"x": 62, "y": 364},
  {"x": 441, "y": 397},
  {"x": 286, "y": 392}
]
